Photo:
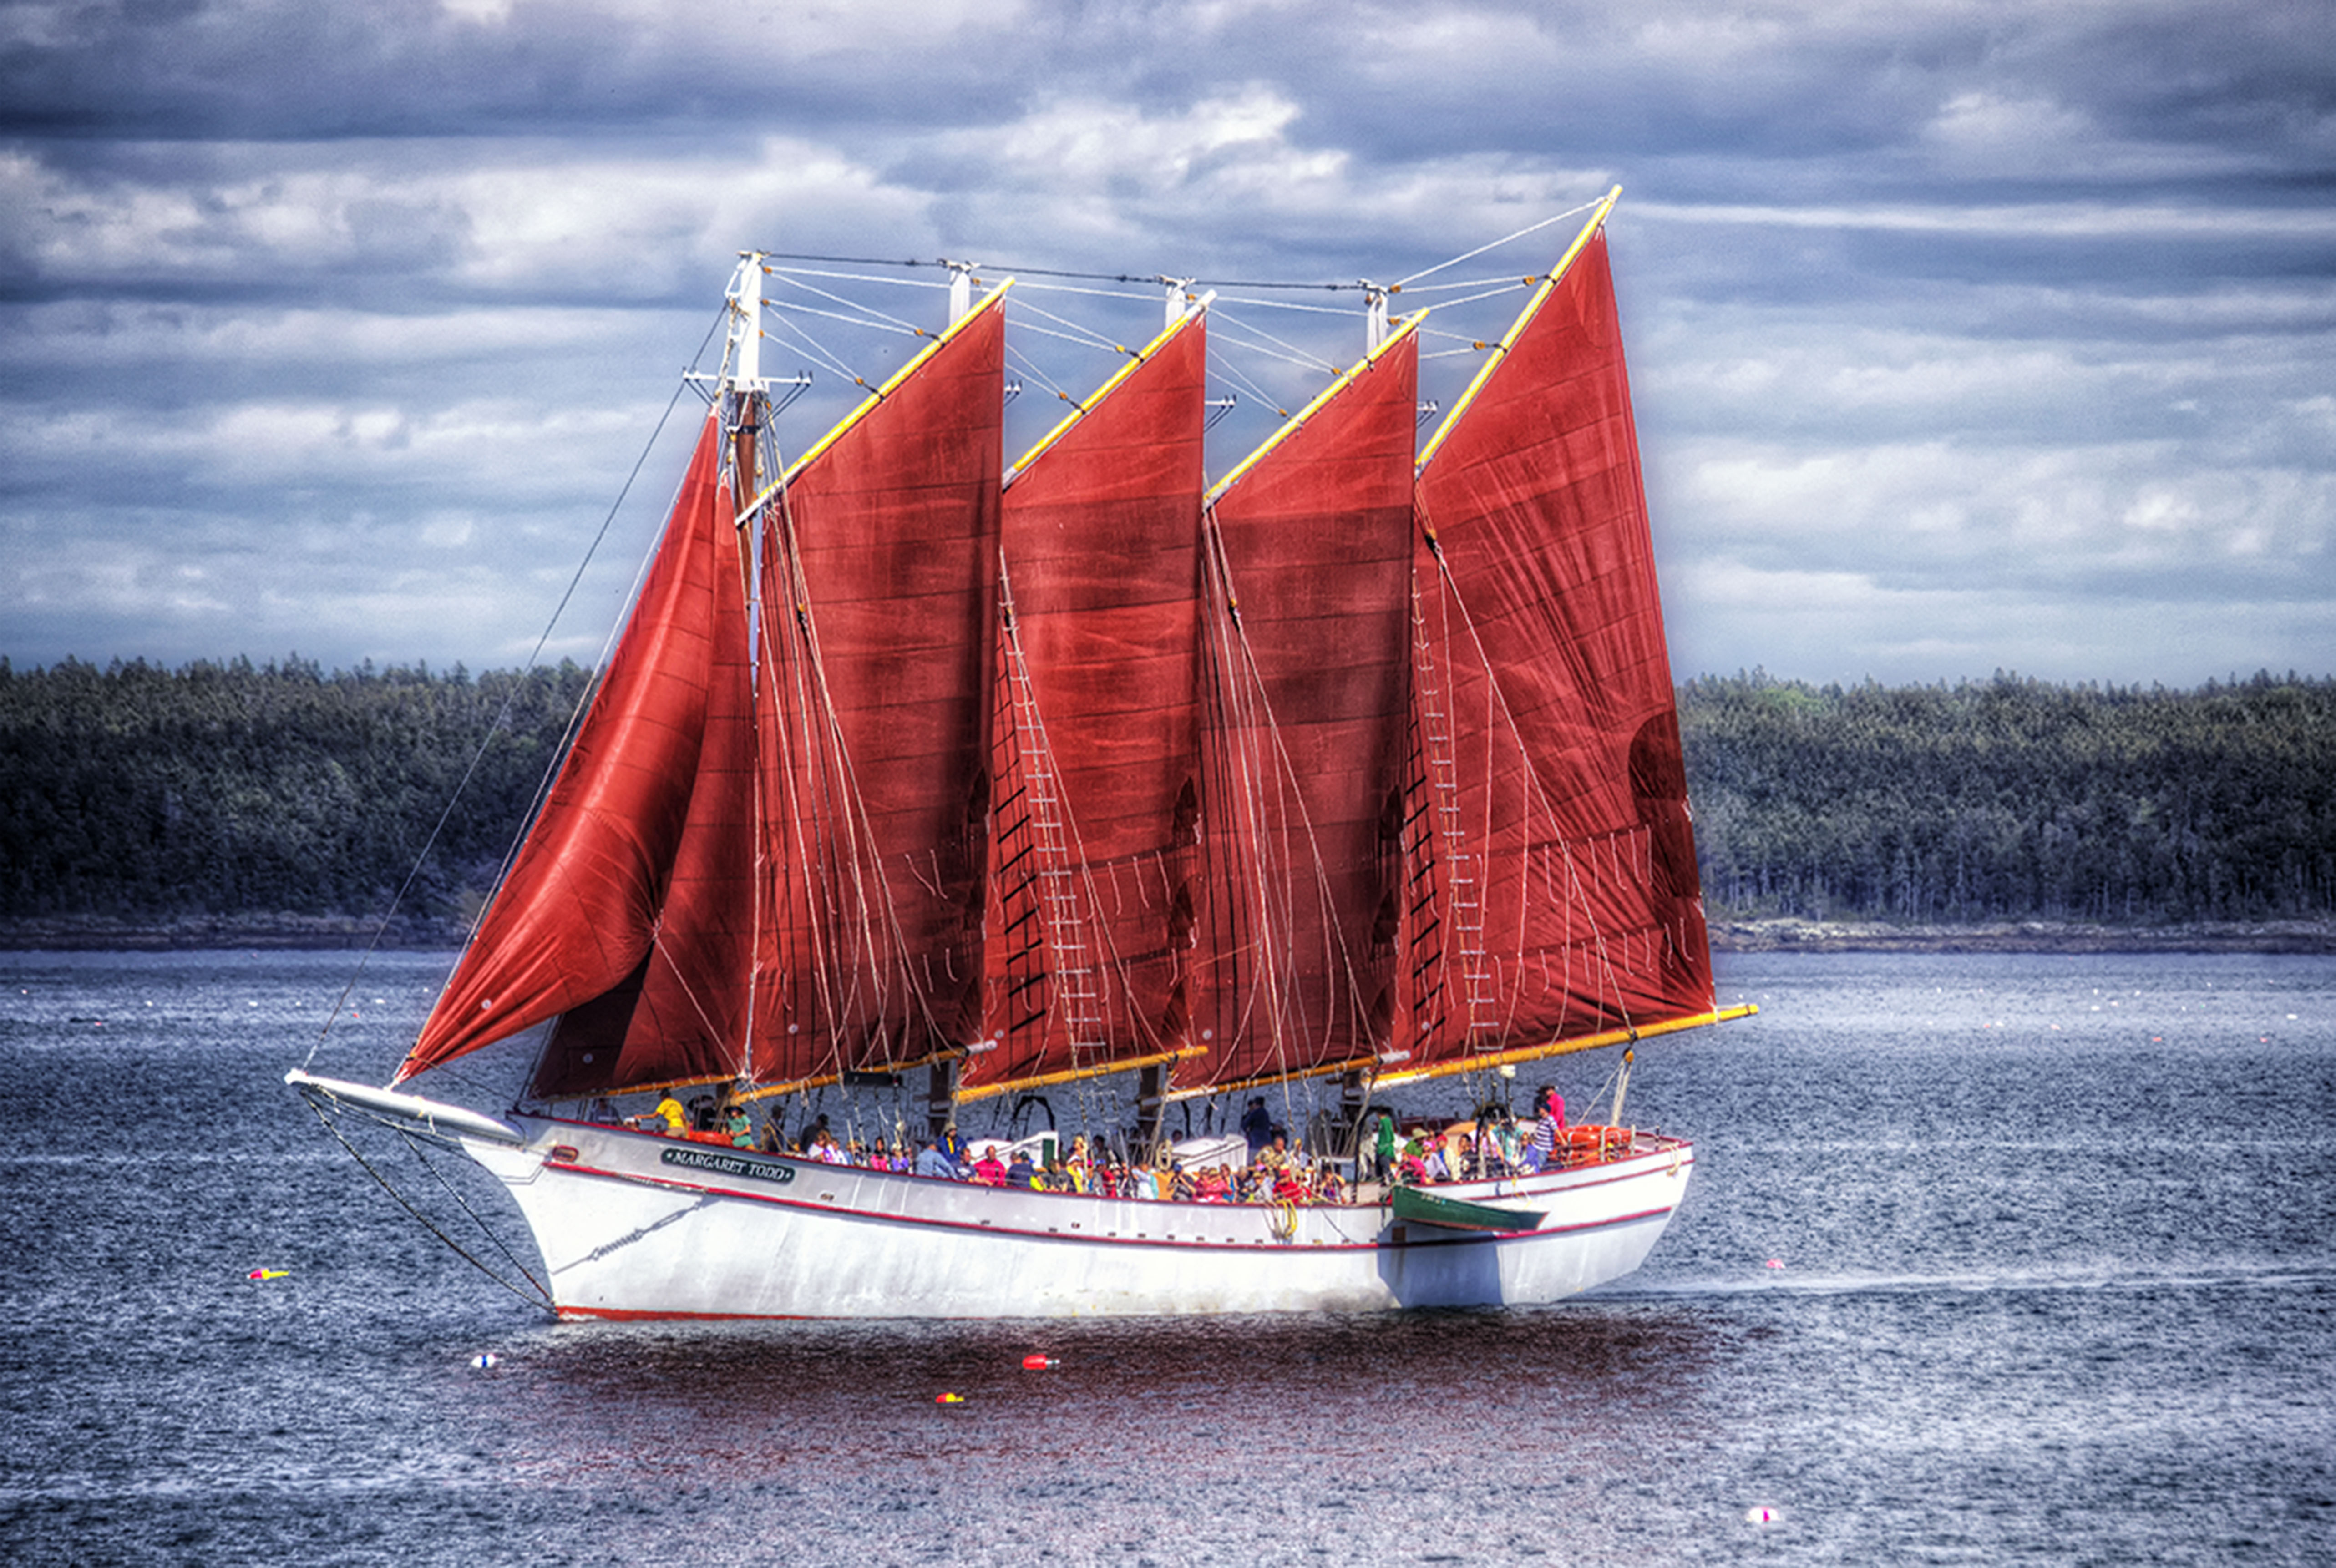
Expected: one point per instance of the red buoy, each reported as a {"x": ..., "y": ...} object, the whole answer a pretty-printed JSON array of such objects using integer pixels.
[{"x": 1037, "y": 1363}]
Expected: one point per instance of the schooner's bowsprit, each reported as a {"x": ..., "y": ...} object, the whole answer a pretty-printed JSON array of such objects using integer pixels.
[{"x": 1358, "y": 766}]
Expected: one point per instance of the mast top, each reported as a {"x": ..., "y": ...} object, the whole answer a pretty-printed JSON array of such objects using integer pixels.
[
  {"x": 960, "y": 289},
  {"x": 745, "y": 355},
  {"x": 1375, "y": 319}
]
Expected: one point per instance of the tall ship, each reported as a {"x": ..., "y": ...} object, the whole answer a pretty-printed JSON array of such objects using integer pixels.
[{"x": 1087, "y": 778}]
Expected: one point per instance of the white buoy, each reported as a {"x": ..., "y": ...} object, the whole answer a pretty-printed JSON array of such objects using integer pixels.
[
  {"x": 486, "y": 1360},
  {"x": 1760, "y": 1516}
]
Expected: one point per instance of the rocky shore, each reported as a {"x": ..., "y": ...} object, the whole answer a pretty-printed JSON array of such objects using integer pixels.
[
  {"x": 98, "y": 933},
  {"x": 1787, "y": 935},
  {"x": 93, "y": 933}
]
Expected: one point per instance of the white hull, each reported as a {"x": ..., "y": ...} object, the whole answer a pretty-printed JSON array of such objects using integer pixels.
[{"x": 634, "y": 1225}]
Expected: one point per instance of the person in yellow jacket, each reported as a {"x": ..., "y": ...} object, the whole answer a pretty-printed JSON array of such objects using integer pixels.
[{"x": 668, "y": 1111}]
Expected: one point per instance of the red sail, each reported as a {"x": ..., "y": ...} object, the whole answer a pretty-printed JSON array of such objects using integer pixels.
[
  {"x": 641, "y": 844},
  {"x": 1306, "y": 738},
  {"x": 1553, "y": 832},
  {"x": 1097, "y": 744},
  {"x": 879, "y": 583}
]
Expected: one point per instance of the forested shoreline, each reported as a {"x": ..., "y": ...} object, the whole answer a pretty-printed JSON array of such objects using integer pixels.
[
  {"x": 279, "y": 803},
  {"x": 141, "y": 805},
  {"x": 2012, "y": 799}
]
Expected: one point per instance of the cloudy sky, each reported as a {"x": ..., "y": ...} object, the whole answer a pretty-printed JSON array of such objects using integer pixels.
[{"x": 1966, "y": 336}]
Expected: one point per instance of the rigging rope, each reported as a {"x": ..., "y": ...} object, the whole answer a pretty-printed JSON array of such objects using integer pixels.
[
  {"x": 839, "y": 300},
  {"x": 1030, "y": 367},
  {"x": 1233, "y": 373},
  {"x": 1159, "y": 277},
  {"x": 1311, "y": 361},
  {"x": 511, "y": 696},
  {"x": 820, "y": 349},
  {"x": 790, "y": 308},
  {"x": 1520, "y": 234},
  {"x": 544, "y": 1302},
  {"x": 1094, "y": 339},
  {"x": 851, "y": 814},
  {"x": 1285, "y": 780},
  {"x": 1357, "y": 286},
  {"x": 1497, "y": 695},
  {"x": 464, "y": 1204}
]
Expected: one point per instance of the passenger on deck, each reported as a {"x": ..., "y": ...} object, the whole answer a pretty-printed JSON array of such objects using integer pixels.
[
  {"x": 667, "y": 1116},
  {"x": 740, "y": 1127},
  {"x": 990, "y": 1170},
  {"x": 1021, "y": 1172},
  {"x": 932, "y": 1162},
  {"x": 1549, "y": 1106},
  {"x": 1384, "y": 1147},
  {"x": 1215, "y": 1185},
  {"x": 1256, "y": 1126},
  {"x": 1500, "y": 1149},
  {"x": 603, "y": 1111},
  {"x": 1181, "y": 1187}
]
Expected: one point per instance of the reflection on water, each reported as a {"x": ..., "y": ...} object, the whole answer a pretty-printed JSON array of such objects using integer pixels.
[{"x": 1417, "y": 1434}]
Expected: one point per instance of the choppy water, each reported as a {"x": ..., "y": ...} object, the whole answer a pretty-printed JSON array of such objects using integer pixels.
[{"x": 2057, "y": 1284}]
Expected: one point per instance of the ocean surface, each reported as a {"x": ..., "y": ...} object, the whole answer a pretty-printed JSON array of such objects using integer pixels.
[{"x": 1986, "y": 1259}]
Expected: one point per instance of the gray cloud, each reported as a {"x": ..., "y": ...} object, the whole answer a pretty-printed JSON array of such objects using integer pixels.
[{"x": 1964, "y": 336}]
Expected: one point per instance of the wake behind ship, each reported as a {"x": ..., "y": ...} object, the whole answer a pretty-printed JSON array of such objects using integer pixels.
[{"x": 1354, "y": 769}]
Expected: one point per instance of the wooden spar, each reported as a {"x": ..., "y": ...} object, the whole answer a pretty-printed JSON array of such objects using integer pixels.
[
  {"x": 1135, "y": 358},
  {"x": 988, "y": 301},
  {"x": 829, "y": 1080},
  {"x": 1474, "y": 1064},
  {"x": 747, "y": 416},
  {"x": 1296, "y": 422},
  {"x": 750, "y": 403},
  {"x": 1048, "y": 1080},
  {"x": 1382, "y": 1080},
  {"x": 1267, "y": 1080},
  {"x": 1501, "y": 350},
  {"x": 1565, "y": 1048}
]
